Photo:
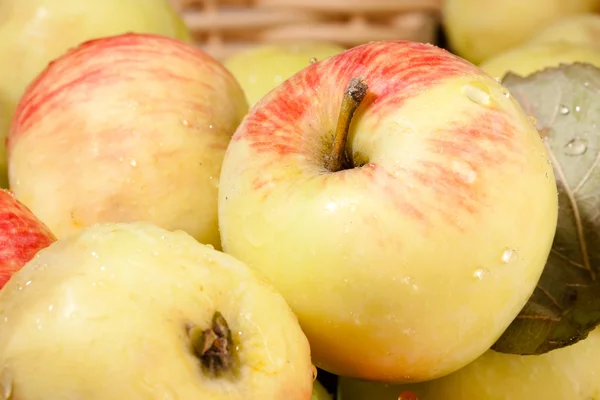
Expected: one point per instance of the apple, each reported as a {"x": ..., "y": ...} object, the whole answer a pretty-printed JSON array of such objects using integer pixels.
[
  {"x": 263, "y": 67},
  {"x": 126, "y": 128},
  {"x": 529, "y": 58},
  {"x": 132, "y": 311},
  {"x": 393, "y": 230},
  {"x": 34, "y": 32},
  {"x": 477, "y": 30},
  {"x": 568, "y": 373},
  {"x": 22, "y": 235},
  {"x": 579, "y": 29}
]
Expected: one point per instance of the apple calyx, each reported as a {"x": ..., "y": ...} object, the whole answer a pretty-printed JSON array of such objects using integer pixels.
[
  {"x": 353, "y": 95},
  {"x": 214, "y": 346}
]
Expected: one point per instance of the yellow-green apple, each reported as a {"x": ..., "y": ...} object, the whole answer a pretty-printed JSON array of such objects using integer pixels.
[
  {"x": 132, "y": 311},
  {"x": 579, "y": 29},
  {"x": 126, "y": 128},
  {"x": 263, "y": 67},
  {"x": 22, "y": 235},
  {"x": 572, "y": 373},
  {"x": 530, "y": 58},
  {"x": 392, "y": 230},
  {"x": 34, "y": 32},
  {"x": 477, "y": 29}
]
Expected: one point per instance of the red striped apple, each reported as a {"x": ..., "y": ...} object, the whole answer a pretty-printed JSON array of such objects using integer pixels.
[
  {"x": 22, "y": 235},
  {"x": 406, "y": 219},
  {"x": 34, "y": 32},
  {"x": 132, "y": 311},
  {"x": 126, "y": 128}
]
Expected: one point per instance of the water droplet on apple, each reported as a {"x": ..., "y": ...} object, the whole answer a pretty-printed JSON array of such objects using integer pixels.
[
  {"x": 576, "y": 147},
  {"x": 477, "y": 92},
  {"x": 253, "y": 228},
  {"x": 94, "y": 254},
  {"x": 185, "y": 122},
  {"x": 312, "y": 60},
  {"x": 509, "y": 255},
  {"x": 210, "y": 246},
  {"x": 6, "y": 383},
  {"x": 564, "y": 110},
  {"x": 533, "y": 120},
  {"x": 577, "y": 108},
  {"x": 481, "y": 273},
  {"x": 133, "y": 163},
  {"x": 314, "y": 373},
  {"x": 505, "y": 92},
  {"x": 464, "y": 171}
]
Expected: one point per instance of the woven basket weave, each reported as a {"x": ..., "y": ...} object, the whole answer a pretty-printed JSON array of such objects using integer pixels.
[{"x": 222, "y": 27}]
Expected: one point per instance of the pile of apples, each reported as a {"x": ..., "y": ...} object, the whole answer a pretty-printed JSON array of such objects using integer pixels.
[
  {"x": 523, "y": 37},
  {"x": 170, "y": 231}
]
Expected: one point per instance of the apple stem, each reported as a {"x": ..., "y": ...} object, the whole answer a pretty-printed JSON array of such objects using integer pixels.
[
  {"x": 213, "y": 346},
  {"x": 353, "y": 96}
]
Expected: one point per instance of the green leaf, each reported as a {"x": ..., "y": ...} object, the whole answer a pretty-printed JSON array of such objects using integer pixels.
[{"x": 565, "y": 306}]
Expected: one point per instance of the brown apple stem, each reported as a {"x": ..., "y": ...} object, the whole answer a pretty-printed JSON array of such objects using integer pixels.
[
  {"x": 353, "y": 96},
  {"x": 214, "y": 346}
]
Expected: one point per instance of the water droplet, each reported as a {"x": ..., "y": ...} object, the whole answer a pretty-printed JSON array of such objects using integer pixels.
[
  {"x": 314, "y": 372},
  {"x": 481, "y": 273},
  {"x": 133, "y": 163},
  {"x": 210, "y": 126},
  {"x": 509, "y": 255},
  {"x": 464, "y": 171},
  {"x": 564, "y": 110},
  {"x": 210, "y": 246},
  {"x": 94, "y": 254},
  {"x": 505, "y": 92},
  {"x": 477, "y": 92},
  {"x": 6, "y": 383},
  {"x": 533, "y": 120},
  {"x": 185, "y": 122},
  {"x": 575, "y": 147},
  {"x": 577, "y": 108},
  {"x": 312, "y": 60}
]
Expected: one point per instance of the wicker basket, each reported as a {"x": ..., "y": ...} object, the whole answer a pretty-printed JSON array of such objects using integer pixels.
[{"x": 222, "y": 27}]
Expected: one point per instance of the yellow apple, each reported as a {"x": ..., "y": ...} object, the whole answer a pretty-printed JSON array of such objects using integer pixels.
[
  {"x": 126, "y": 128},
  {"x": 135, "y": 312},
  {"x": 478, "y": 29},
  {"x": 407, "y": 261},
  {"x": 262, "y": 68},
  {"x": 568, "y": 373},
  {"x": 579, "y": 29},
  {"x": 530, "y": 58},
  {"x": 34, "y": 32}
]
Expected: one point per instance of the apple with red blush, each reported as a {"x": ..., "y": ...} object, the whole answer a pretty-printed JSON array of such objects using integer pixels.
[
  {"x": 401, "y": 201},
  {"x": 22, "y": 235}
]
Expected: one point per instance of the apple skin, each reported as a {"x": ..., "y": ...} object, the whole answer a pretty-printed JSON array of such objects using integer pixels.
[
  {"x": 400, "y": 269},
  {"x": 529, "y": 58},
  {"x": 568, "y": 373},
  {"x": 103, "y": 313},
  {"x": 579, "y": 29},
  {"x": 34, "y": 32},
  {"x": 477, "y": 30},
  {"x": 264, "y": 67},
  {"x": 22, "y": 235},
  {"x": 126, "y": 128}
]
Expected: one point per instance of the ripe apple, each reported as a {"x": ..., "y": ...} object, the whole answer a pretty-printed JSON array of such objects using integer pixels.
[
  {"x": 22, "y": 235},
  {"x": 399, "y": 244},
  {"x": 263, "y": 67},
  {"x": 477, "y": 30},
  {"x": 530, "y": 58},
  {"x": 572, "y": 372},
  {"x": 132, "y": 311},
  {"x": 34, "y": 32},
  {"x": 126, "y": 128},
  {"x": 579, "y": 29}
]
